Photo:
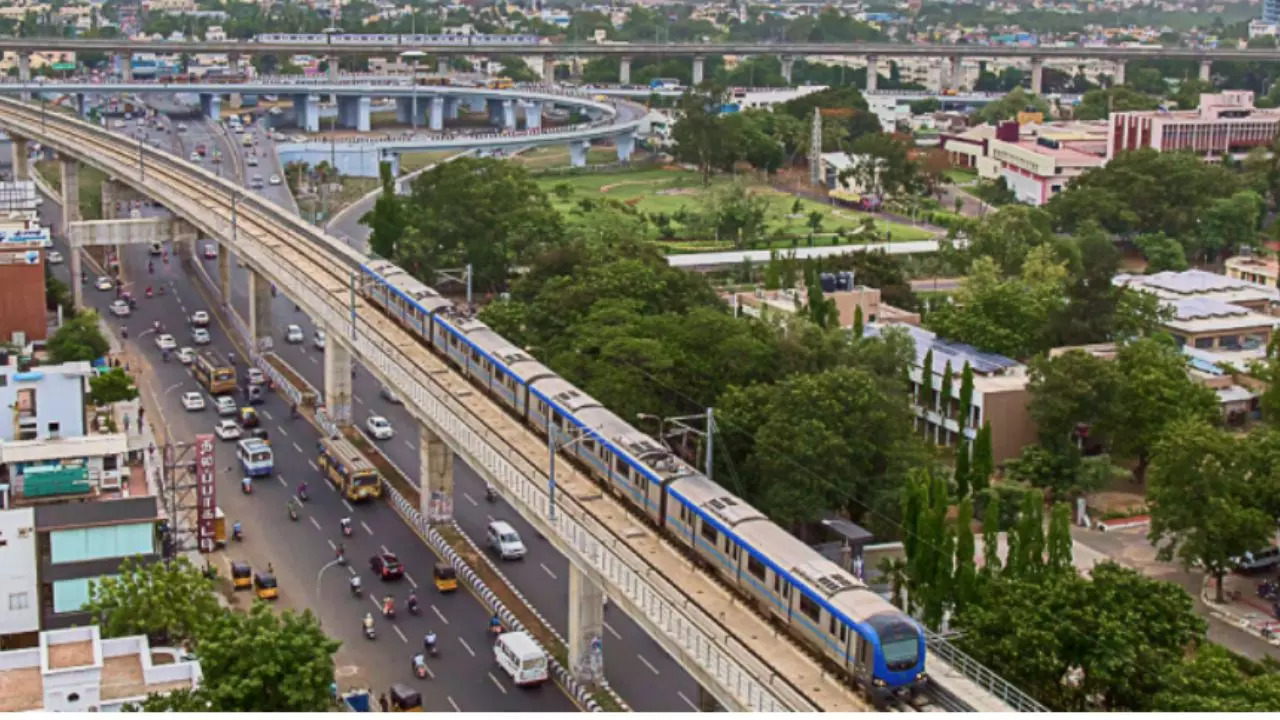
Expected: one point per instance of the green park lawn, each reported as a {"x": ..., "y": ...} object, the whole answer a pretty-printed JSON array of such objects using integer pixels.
[
  {"x": 667, "y": 191},
  {"x": 555, "y": 156}
]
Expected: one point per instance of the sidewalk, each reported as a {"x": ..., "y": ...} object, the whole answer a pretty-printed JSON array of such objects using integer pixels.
[{"x": 1243, "y": 608}]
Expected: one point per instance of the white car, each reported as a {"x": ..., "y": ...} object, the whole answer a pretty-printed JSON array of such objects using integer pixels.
[
  {"x": 251, "y": 161},
  {"x": 200, "y": 336},
  {"x": 193, "y": 401},
  {"x": 227, "y": 430},
  {"x": 210, "y": 251},
  {"x": 255, "y": 376},
  {"x": 274, "y": 180},
  {"x": 318, "y": 340},
  {"x": 182, "y": 127},
  {"x": 195, "y": 157},
  {"x": 166, "y": 342},
  {"x": 200, "y": 318},
  {"x": 379, "y": 428},
  {"x": 104, "y": 284},
  {"x": 186, "y": 356},
  {"x": 224, "y": 405},
  {"x": 293, "y": 334},
  {"x": 120, "y": 308},
  {"x": 53, "y": 257}
]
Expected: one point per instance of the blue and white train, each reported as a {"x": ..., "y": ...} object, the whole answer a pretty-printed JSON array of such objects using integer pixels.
[
  {"x": 828, "y": 609},
  {"x": 404, "y": 40}
]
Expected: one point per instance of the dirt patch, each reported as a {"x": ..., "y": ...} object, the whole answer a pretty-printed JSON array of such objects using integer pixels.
[
  {"x": 1108, "y": 502},
  {"x": 681, "y": 192},
  {"x": 613, "y": 186}
]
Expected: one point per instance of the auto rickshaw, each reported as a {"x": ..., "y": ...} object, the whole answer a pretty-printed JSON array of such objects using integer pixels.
[
  {"x": 260, "y": 434},
  {"x": 446, "y": 577},
  {"x": 264, "y": 584},
  {"x": 405, "y": 699},
  {"x": 248, "y": 417},
  {"x": 241, "y": 575}
]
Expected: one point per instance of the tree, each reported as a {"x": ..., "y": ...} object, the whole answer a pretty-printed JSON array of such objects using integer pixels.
[
  {"x": 1009, "y": 235},
  {"x": 1014, "y": 102},
  {"x": 79, "y": 339},
  {"x": 386, "y": 218},
  {"x": 966, "y": 573},
  {"x": 966, "y": 394},
  {"x": 1203, "y": 501},
  {"x": 991, "y": 536},
  {"x": 858, "y": 322},
  {"x": 507, "y": 221},
  {"x": 734, "y": 212},
  {"x": 944, "y": 391},
  {"x": 983, "y": 463},
  {"x": 1098, "y": 104},
  {"x": 112, "y": 386},
  {"x": 1228, "y": 224},
  {"x": 963, "y": 475},
  {"x": 518, "y": 70},
  {"x": 1162, "y": 253},
  {"x": 701, "y": 135},
  {"x": 1060, "y": 556},
  {"x": 882, "y": 164},
  {"x": 1069, "y": 392},
  {"x": 1031, "y": 534},
  {"x": 1218, "y": 682},
  {"x": 926, "y": 381},
  {"x": 1149, "y": 81},
  {"x": 171, "y": 602}
]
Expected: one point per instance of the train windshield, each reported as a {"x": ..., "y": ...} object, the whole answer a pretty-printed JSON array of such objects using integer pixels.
[{"x": 901, "y": 647}]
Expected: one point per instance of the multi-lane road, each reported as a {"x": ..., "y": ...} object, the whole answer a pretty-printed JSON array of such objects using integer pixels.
[{"x": 637, "y": 667}]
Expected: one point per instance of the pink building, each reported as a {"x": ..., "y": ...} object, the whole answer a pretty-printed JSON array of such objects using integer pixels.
[{"x": 1225, "y": 122}]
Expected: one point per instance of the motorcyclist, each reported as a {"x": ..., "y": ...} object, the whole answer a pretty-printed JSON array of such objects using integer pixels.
[
  {"x": 412, "y": 601},
  {"x": 429, "y": 640},
  {"x": 124, "y": 331},
  {"x": 489, "y": 490},
  {"x": 419, "y": 661},
  {"x": 302, "y": 488},
  {"x": 355, "y": 583},
  {"x": 342, "y": 553},
  {"x": 246, "y": 484},
  {"x": 368, "y": 621},
  {"x": 345, "y": 524},
  {"x": 388, "y": 605},
  {"x": 235, "y": 530},
  {"x": 149, "y": 291},
  {"x": 495, "y": 624}
]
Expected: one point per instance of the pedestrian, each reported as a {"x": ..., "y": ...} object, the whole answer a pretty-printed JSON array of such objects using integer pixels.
[
  {"x": 141, "y": 410},
  {"x": 384, "y": 703}
]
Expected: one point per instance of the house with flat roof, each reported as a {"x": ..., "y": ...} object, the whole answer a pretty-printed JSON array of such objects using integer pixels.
[
  {"x": 76, "y": 670},
  {"x": 1000, "y": 395},
  {"x": 1170, "y": 285},
  {"x": 1259, "y": 270}
]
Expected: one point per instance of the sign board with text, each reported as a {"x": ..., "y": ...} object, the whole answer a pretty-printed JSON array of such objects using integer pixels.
[{"x": 206, "y": 493}]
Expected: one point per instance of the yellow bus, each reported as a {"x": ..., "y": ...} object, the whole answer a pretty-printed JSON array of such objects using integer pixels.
[
  {"x": 502, "y": 83},
  {"x": 214, "y": 372},
  {"x": 354, "y": 475}
]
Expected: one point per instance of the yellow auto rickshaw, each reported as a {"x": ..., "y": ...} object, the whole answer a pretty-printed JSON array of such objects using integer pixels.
[
  {"x": 248, "y": 417},
  {"x": 405, "y": 699},
  {"x": 241, "y": 575},
  {"x": 446, "y": 577},
  {"x": 264, "y": 584}
]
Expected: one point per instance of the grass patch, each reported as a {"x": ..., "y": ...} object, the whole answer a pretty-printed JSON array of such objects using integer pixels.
[
  {"x": 91, "y": 180},
  {"x": 544, "y": 158},
  {"x": 417, "y": 160},
  {"x": 959, "y": 176},
  {"x": 319, "y": 207}
]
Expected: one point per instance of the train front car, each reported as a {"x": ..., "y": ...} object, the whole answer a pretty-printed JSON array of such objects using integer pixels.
[{"x": 900, "y": 654}]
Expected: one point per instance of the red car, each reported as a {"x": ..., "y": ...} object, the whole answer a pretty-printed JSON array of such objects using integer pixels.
[{"x": 386, "y": 566}]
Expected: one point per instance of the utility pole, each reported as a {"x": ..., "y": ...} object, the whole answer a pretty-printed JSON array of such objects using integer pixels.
[{"x": 685, "y": 423}]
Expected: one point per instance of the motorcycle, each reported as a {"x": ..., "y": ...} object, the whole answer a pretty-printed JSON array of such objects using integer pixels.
[
  {"x": 246, "y": 486},
  {"x": 237, "y": 534},
  {"x": 346, "y": 530},
  {"x": 419, "y": 669},
  {"x": 355, "y": 587},
  {"x": 490, "y": 494},
  {"x": 495, "y": 630},
  {"x": 293, "y": 513},
  {"x": 413, "y": 607},
  {"x": 302, "y": 493},
  {"x": 150, "y": 294},
  {"x": 342, "y": 557},
  {"x": 389, "y": 611},
  {"x": 369, "y": 632}
]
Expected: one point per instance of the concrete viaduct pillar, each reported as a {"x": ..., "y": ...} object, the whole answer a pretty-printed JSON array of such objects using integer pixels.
[
  {"x": 451, "y": 105},
  {"x": 70, "y": 176},
  {"x": 951, "y": 73},
  {"x": 873, "y": 72},
  {"x": 126, "y": 66},
  {"x": 699, "y": 67},
  {"x": 259, "y": 310},
  {"x": 437, "y": 113},
  {"x": 353, "y": 112},
  {"x": 494, "y": 106},
  {"x": 442, "y": 64},
  {"x": 334, "y": 70},
  {"x": 233, "y": 63},
  {"x": 337, "y": 380},
  {"x": 626, "y": 144},
  {"x": 624, "y": 70},
  {"x": 549, "y": 69},
  {"x": 224, "y": 272},
  {"x": 1117, "y": 78},
  {"x": 586, "y": 627},
  {"x": 508, "y": 115},
  {"x": 306, "y": 108},
  {"x": 788, "y": 64},
  {"x": 578, "y": 152},
  {"x": 1037, "y": 76},
  {"x": 1206, "y": 71},
  {"x": 24, "y": 71},
  {"x": 21, "y": 159},
  {"x": 436, "y": 461},
  {"x": 533, "y": 115},
  {"x": 210, "y": 106}
]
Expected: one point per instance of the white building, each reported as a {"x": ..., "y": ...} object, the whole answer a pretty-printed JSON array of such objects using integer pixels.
[
  {"x": 19, "y": 601},
  {"x": 44, "y": 401}
]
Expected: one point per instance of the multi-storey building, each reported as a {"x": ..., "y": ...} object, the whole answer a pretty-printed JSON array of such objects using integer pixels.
[
  {"x": 1259, "y": 270},
  {"x": 1224, "y": 123}
]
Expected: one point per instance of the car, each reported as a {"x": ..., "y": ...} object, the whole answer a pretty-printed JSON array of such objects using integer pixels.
[
  {"x": 227, "y": 430},
  {"x": 195, "y": 157},
  {"x": 120, "y": 308},
  {"x": 200, "y": 318},
  {"x": 251, "y": 161},
  {"x": 255, "y": 376},
  {"x": 389, "y": 396},
  {"x": 256, "y": 184},
  {"x": 318, "y": 340},
  {"x": 182, "y": 127},
  {"x": 505, "y": 541},
  {"x": 249, "y": 418},
  {"x": 53, "y": 257},
  {"x": 379, "y": 428},
  {"x": 275, "y": 180},
  {"x": 193, "y": 401},
  {"x": 293, "y": 334},
  {"x": 200, "y": 336},
  {"x": 166, "y": 342},
  {"x": 186, "y": 356},
  {"x": 104, "y": 284},
  {"x": 386, "y": 566},
  {"x": 210, "y": 251},
  {"x": 156, "y": 249},
  {"x": 225, "y": 406}
]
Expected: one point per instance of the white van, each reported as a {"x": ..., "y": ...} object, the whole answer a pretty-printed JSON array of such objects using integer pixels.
[
  {"x": 521, "y": 657},
  {"x": 505, "y": 541}
]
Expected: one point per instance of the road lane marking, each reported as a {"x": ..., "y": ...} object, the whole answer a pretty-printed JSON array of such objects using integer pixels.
[
  {"x": 613, "y": 632},
  {"x": 374, "y": 600},
  {"x": 495, "y": 682},
  {"x": 471, "y": 500},
  {"x": 313, "y": 520},
  {"x": 357, "y": 399},
  {"x": 443, "y": 619},
  {"x": 312, "y": 358},
  {"x": 332, "y": 546},
  {"x": 366, "y": 527},
  {"x": 313, "y": 465},
  {"x": 408, "y": 444},
  {"x": 547, "y": 570},
  {"x": 428, "y": 669},
  {"x": 347, "y": 505},
  {"x": 464, "y": 643},
  {"x": 267, "y": 415},
  {"x": 282, "y": 482},
  {"x": 687, "y": 701},
  {"x": 647, "y": 664},
  {"x": 454, "y": 704},
  {"x": 402, "y": 637},
  {"x": 409, "y": 577},
  {"x": 297, "y": 447},
  {"x": 384, "y": 549},
  {"x": 281, "y": 430}
]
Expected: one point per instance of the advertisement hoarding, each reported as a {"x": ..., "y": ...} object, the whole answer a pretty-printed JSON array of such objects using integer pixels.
[{"x": 206, "y": 493}]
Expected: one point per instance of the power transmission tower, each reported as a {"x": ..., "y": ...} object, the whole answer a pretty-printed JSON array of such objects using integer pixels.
[{"x": 815, "y": 149}]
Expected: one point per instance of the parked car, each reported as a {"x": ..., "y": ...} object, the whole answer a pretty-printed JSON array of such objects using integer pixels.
[
  {"x": 53, "y": 257},
  {"x": 275, "y": 180}
]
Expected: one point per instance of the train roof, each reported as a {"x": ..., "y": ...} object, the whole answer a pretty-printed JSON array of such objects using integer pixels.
[
  {"x": 564, "y": 393},
  {"x": 702, "y": 492},
  {"x": 407, "y": 285},
  {"x": 520, "y": 362},
  {"x": 641, "y": 448}
]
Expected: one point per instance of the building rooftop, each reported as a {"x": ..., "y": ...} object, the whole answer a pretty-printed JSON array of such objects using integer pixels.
[
  {"x": 1196, "y": 315},
  {"x": 990, "y": 368},
  {"x": 1198, "y": 283}
]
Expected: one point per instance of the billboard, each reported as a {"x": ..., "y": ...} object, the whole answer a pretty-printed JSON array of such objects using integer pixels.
[
  {"x": 206, "y": 494},
  {"x": 34, "y": 235}
]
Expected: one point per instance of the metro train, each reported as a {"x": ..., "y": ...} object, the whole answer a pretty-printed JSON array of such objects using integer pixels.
[
  {"x": 406, "y": 40},
  {"x": 829, "y": 610}
]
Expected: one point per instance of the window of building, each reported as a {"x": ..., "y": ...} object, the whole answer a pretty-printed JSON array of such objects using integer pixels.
[
  {"x": 1204, "y": 343},
  {"x": 112, "y": 541},
  {"x": 71, "y": 595},
  {"x": 19, "y": 601},
  {"x": 55, "y": 429},
  {"x": 1231, "y": 342},
  {"x": 27, "y": 401}
]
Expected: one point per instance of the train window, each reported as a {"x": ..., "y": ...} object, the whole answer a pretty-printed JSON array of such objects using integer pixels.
[
  {"x": 755, "y": 567},
  {"x": 831, "y": 626},
  {"x": 475, "y": 355},
  {"x": 590, "y": 445},
  {"x": 709, "y": 532},
  {"x": 810, "y": 608},
  {"x": 619, "y": 466},
  {"x": 844, "y": 632}
]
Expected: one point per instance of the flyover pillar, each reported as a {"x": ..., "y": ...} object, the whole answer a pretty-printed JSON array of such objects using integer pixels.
[
  {"x": 24, "y": 71},
  {"x": 578, "y": 152},
  {"x": 224, "y": 272},
  {"x": 337, "y": 380},
  {"x": 586, "y": 627},
  {"x": 1037, "y": 76},
  {"x": 442, "y": 64},
  {"x": 233, "y": 63},
  {"x": 624, "y": 70},
  {"x": 436, "y": 461},
  {"x": 404, "y": 110},
  {"x": 1206, "y": 71},
  {"x": 210, "y": 106},
  {"x": 533, "y": 115},
  {"x": 334, "y": 70},
  {"x": 259, "y": 311},
  {"x": 437, "y": 113},
  {"x": 364, "y": 107},
  {"x": 699, "y": 66},
  {"x": 451, "y": 108},
  {"x": 873, "y": 72},
  {"x": 508, "y": 114},
  {"x": 306, "y": 108},
  {"x": 495, "y": 110},
  {"x": 70, "y": 177},
  {"x": 549, "y": 69},
  {"x": 788, "y": 65},
  {"x": 626, "y": 144},
  {"x": 1117, "y": 78},
  {"x": 126, "y": 66},
  {"x": 21, "y": 159},
  {"x": 951, "y": 72},
  {"x": 80, "y": 104}
]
